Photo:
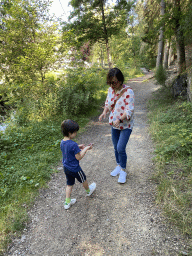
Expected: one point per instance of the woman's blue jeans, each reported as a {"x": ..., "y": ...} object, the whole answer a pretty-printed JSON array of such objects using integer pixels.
[{"x": 120, "y": 139}]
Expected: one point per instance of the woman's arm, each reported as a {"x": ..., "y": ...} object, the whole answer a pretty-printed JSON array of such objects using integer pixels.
[
  {"x": 107, "y": 106},
  {"x": 117, "y": 122},
  {"x": 130, "y": 104},
  {"x": 103, "y": 115}
]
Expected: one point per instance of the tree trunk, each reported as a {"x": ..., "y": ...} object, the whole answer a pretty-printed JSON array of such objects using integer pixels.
[
  {"x": 105, "y": 33},
  {"x": 172, "y": 56},
  {"x": 102, "y": 63},
  {"x": 166, "y": 55},
  {"x": 180, "y": 39},
  {"x": 161, "y": 39}
]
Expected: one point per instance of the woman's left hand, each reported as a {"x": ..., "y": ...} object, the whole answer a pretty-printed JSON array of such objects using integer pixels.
[{"x": 116, "y": 123}]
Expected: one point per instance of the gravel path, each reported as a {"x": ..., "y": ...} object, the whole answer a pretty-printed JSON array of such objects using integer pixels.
[{"x": 117, "y": 219}]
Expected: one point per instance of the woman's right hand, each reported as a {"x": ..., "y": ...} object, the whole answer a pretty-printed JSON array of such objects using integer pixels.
[{"x": 103, "y": 115}]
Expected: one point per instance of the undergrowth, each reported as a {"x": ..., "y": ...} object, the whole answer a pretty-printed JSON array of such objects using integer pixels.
[
  {"x": 29, "y": 156},
  {"x": 171, "y": 129},
  {"x": 30, "y": 146}
]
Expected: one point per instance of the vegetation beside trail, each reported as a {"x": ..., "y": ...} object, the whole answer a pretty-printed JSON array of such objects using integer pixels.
[
  {"x": 51, "y": 70},
  {"x": 171, "y": 130},
  {"x": 30, "y": 146}
]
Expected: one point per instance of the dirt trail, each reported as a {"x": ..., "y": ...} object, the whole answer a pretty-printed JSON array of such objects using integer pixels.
[{"x": 117, "y": 219}]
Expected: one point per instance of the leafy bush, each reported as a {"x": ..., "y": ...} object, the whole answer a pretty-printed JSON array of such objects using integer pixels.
[
  {"x": 30, "y": 145},
  {"x": 27, "y": 154},
  {"x": 161, "y": 75},
  {"x": 78, "y": 94}
]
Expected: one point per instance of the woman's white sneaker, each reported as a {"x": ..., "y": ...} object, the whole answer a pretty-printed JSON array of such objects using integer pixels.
[
  {"x": 122, "y": 177},
  {"x": 116, "y": 171}
]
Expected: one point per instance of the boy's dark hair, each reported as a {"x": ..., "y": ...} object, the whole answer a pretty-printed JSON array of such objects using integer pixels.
[
  {"x": 115, "y": 72},
  {"x": 69, "y": 126}
]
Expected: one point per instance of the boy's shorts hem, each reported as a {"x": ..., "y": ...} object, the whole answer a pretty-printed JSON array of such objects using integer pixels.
[{"x": 71, "y": 176}]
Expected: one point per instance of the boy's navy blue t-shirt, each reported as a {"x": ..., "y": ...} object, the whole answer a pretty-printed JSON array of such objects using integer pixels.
[{"x": 69, "y": 149}]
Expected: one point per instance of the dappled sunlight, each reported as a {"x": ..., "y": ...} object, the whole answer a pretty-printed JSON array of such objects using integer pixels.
[
  {"x": 140, "y": 112},
  {"x": 91, "y": 249},
  {"x": 97, "y": 123},
  {"x": 124, "y": 202},
  {"x": 137, "y": 137}
]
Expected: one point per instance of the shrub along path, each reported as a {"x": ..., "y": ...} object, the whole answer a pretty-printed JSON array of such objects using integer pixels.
[{"x": 117, "y": 219}]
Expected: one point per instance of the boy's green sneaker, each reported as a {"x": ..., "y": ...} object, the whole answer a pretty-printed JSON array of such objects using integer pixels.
[{"x": 67, "y": 206}]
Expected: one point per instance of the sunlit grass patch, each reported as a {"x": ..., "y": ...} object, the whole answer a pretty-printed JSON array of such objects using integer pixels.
[{"x": 171, "y": 130}]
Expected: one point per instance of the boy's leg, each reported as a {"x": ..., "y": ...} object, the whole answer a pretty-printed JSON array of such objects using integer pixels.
[
  {"x": 68, "y": 200},
  {"x": 69, "y": 187},
  {"x": 81, "y": 177},
  {"x": 89, "y": 189},
  {"x": 68, "y": 191},
  {"x": 85, "y": 185}
]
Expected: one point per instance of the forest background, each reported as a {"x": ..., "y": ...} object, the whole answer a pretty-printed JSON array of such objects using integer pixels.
[{"x": 51, "y": 70}]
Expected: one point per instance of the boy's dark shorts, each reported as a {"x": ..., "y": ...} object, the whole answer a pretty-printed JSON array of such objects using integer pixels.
[{"x": 71, "y": 176}]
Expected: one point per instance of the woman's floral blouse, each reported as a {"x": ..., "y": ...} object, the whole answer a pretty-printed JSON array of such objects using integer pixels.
[{"x": 124, "y": 104}]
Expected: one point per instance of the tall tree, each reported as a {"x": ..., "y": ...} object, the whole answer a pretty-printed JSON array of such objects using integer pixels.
[
  {"x": 148, "y": 14},
  {"x": 23, "y": 30},
  {"x": 27, "y": 45},
  {"x": 179, "y": 37},
  {"x": 161, "y": 38},
  {"x": 175, "y": 19},
  {"x": 95, "y": 21}
]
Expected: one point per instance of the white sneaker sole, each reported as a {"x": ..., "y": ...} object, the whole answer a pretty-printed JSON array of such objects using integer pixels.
[
  {"x": 116, "y": 171},
  {"x": 92, "y": 188},
  {"x": 122, "y": 178},
  {"x": 67, "y": 206}
]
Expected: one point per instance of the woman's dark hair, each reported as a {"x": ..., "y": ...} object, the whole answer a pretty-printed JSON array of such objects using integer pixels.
[
  {"x": 115, "y": 72},
  {"x": 69, "y": 126}
]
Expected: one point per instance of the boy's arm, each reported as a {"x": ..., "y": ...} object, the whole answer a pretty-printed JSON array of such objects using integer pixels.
[
  {"x": 81, "y": 154},
  {"x": 81, "y": 146}
]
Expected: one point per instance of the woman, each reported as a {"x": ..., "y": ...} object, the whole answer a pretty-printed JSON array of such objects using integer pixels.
[{"x": 120, "y": 104}]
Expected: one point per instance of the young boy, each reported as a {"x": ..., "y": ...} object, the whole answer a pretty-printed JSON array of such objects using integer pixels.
[{"x": 72, "y": 154}]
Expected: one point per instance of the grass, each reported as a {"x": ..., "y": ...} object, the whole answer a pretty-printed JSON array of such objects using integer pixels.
[
  {"x": 29, "y": 154},
  {"x": 171, "y": 130},
  {"x": 28, "y": 159}
]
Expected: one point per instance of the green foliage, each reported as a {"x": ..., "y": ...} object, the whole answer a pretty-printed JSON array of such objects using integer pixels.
[
  {"x": 97, "y": 16},
  {"x": 95, "y": 22},
  {"x": 186, "y": 23},
  {"x": 21, "y": 165},
  {"x": 29, "y": 148},
  {"x": 171, "y": 129},
  {"x": 27, "y": 155},
  {"x": 40, "y": 101},
  {"x": 161, "y": 75},
  {"x": 72, "y": 92},
  {"x": 79, "y": 95},
  {"x": 28, "y": 47}
]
